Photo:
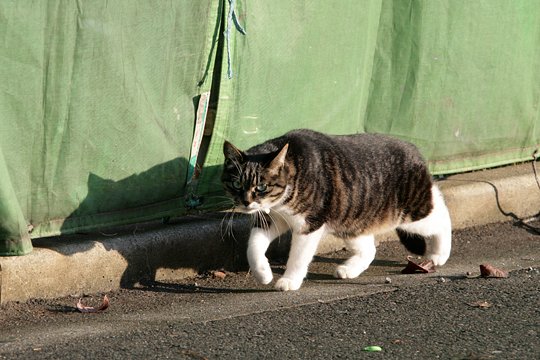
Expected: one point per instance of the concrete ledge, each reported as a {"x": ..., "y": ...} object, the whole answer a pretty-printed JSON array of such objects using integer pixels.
[
  {"x": 490, "y": 196},
  {"x": 72, "y": 265}
]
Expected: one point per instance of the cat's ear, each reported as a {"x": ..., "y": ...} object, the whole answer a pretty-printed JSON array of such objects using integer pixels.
[
  {"x": 279, "y": 160},
  {"x": 231, "y": 152}
]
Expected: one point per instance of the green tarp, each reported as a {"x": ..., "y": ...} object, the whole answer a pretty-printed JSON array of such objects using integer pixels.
[
  {"x": 461, "y": 79},
  {"x": 99, "y": 100},
  {"x": 97, "y": 109}
]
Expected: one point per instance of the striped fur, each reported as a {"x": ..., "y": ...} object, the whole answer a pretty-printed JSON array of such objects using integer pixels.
[{"x": 352, "y": 186}]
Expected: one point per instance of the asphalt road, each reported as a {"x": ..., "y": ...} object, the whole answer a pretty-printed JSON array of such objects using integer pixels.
[{"x": 449, "y": 314}]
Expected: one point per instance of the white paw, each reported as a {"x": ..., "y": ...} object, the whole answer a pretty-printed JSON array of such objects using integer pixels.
[
  {"x": 263, "y": 274},
  {"x": 286, "y": 284},
  {"x": 438, "y": 259},
  {"x": 346, "y": 272}
]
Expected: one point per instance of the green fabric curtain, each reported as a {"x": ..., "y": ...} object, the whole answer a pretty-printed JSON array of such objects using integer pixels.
[
  {"x": 97, "y": 111},
  {"x": 301, "y": 64},
  {"x": 460, "y": 79},
  {"x": 99, "y": 99}
]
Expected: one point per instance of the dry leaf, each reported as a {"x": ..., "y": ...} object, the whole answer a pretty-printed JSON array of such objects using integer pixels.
[
  {"x": 219, "y": 275},
  {"x": 90, "y": 309},
  {"x": 425, "y": 266},
  {"x": 486, "y": 270},
  {"x": 480, "y": 304}
]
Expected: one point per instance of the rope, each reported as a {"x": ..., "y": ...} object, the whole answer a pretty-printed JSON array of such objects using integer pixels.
[
  {"x": 231, "y": 18},
  {"x": 534, "y": 156}
]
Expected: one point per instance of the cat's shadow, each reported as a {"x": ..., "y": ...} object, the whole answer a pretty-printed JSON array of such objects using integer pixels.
[
  {"x": 340, "y": 260},
  {"x": 158, "y": 286},
  {"x": 106, "y": 201},
  {"x": 328, "y": 264}
]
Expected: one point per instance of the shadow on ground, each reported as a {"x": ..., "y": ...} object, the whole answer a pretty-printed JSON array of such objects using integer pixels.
[{"x": 194, "y": 241}]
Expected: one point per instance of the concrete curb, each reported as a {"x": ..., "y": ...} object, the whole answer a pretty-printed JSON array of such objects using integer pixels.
[
  {"x": 76, "y": 265},
  {"x": 98, "y": 262}
]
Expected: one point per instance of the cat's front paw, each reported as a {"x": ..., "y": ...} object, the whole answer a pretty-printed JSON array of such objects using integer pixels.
[
  {"x": 286, "y": 284},
  {"x": 263, "y": 274}
]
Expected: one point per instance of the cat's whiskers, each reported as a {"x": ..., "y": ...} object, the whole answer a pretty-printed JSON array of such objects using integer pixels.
[
  {"x": 228, "y": 219},
  {"x": 224, "y": 200},
  {"x": 275, "y": 222},
  {"x": 225, "y": 216},
  {"x": 256, "y": 219},
  {"x": 282, "y": 217},
  {"x": 259, "y": 220},
  {"x": 226, "y": 224},
  {"x": 230, "y": 226},
  {"x": 262, "y": 214}
]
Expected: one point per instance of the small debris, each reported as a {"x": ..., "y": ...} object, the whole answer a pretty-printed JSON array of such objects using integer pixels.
[
  {"x": 425, "y": 266},
  {"x": 219, "y": 275},
  {"x": 387, "y": 280},
  {"x": 483, "y": 304},
  {"x": 372, "y": 348},
  {"x": 442, "y": 280},
  {"x": 486, "y": 270},
  {"x": 468, "y": 273},
  {"x": 90, "y": 309}
]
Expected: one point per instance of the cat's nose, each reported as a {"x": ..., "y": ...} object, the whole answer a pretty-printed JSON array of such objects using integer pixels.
[{"x": 246, "y": 200}]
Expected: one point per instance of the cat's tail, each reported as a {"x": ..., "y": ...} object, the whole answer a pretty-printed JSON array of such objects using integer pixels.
[
  {"x": 415, "y": 243},
  {"x": 434, "y": 232}
]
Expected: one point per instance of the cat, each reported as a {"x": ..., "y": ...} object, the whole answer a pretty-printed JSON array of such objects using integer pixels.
[{"x": 351, "y": 186}]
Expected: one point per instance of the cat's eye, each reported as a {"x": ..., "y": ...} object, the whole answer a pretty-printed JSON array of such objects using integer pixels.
[
  {"x": 237, "y": 184},
  {"x": 261, "y": 187}
]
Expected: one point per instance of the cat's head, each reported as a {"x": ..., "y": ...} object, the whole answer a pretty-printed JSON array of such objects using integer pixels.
[{"x": 255, "y": 181}]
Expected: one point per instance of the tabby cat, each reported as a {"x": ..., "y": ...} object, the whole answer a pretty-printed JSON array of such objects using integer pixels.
[{"x": 351, "y": 186}]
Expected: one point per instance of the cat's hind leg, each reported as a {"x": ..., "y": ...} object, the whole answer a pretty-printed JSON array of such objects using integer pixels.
[
  {"x": 258, "y": 243},
  {"x": 436, "y": 227},
  {"x": 363, "y": 249}
]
